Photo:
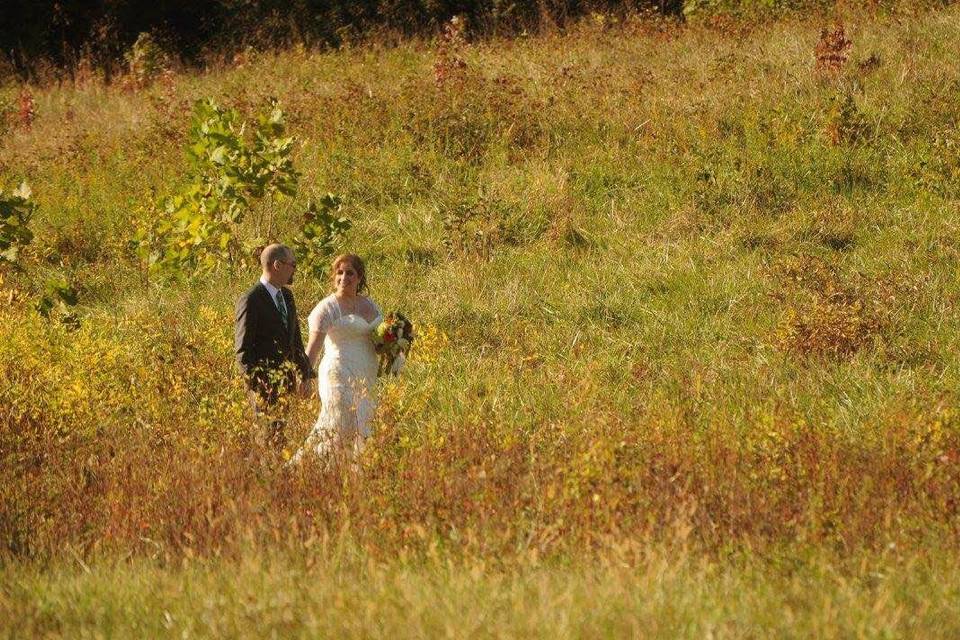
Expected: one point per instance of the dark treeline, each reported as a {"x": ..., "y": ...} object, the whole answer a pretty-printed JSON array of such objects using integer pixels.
[{"x": 60, "y": 33}]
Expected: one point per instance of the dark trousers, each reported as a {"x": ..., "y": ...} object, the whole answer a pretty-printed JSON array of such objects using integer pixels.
[{"x": 269, "y": 402}]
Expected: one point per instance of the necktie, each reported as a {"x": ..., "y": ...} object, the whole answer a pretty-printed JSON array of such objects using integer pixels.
[{"x": 281, "y": 305}]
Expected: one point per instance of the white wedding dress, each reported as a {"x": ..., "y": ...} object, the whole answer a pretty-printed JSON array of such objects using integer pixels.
[{"x": 347, "y": 377}]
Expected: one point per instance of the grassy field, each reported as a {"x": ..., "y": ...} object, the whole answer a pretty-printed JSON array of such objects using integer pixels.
[
  {"x": 659, "y": 594},
  {"x": 688, "y": 364}
]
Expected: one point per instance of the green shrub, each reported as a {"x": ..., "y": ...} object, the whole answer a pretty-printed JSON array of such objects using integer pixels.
[
  {"x": 146, "y": 60},
  {"x": 321, "y": 235},
  {"x": 16, "y": 211},
  {"x": 196, "y": 230}
]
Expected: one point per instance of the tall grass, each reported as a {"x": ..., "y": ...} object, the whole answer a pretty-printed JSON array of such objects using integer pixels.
[
  {"x": 679, "y": 286},
  {"x": 659, "y": 594}
]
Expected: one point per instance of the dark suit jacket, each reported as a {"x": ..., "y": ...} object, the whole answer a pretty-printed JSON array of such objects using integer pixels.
[{"x": 263, "y": 343}]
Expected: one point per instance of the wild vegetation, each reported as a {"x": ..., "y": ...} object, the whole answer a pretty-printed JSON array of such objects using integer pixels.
[
  {"x": 40, "y": 38},
  {"x": 687, "y": 364}
]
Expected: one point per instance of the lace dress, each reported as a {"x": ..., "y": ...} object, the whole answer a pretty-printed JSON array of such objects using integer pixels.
[{"x": 347, "y": 377}]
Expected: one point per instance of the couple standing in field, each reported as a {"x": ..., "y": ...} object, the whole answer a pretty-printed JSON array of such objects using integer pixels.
[{"x": 270, "y": 352}]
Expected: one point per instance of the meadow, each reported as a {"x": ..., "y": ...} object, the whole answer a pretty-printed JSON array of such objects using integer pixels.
[{"x": 687, "y": 304}]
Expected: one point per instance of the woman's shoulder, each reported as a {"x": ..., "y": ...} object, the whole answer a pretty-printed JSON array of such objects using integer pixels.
[
  {"x": 368, "y": 308},
  {"x": 370, "y": 302},
  {"x": 324, "y": 305}
]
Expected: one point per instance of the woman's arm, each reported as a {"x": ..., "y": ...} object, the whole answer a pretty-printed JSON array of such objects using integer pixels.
[{"x": 314, "y": 344}]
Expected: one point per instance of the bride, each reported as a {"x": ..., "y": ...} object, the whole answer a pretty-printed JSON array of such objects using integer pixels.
[{"x": 341, "y": 323}]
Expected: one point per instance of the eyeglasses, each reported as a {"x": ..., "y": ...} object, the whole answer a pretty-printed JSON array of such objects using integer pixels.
[{"x": 292, "y": 264}]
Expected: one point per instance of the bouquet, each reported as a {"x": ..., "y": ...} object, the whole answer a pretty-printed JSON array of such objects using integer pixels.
[{"x": 391, "y": 340}]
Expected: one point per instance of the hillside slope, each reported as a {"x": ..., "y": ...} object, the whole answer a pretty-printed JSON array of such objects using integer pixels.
[{"x": 674, "y": 285}]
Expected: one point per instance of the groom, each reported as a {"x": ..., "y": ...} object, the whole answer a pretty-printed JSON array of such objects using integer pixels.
[{"x": 268, "y": 342}]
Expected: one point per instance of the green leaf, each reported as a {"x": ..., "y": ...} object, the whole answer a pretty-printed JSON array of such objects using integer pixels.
[{"x": 23, "y": 191}]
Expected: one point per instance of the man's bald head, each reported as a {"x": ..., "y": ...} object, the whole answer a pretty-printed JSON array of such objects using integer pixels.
[
  {"x": 273, "y": 252},
  {"x": 278, "y": 264}
]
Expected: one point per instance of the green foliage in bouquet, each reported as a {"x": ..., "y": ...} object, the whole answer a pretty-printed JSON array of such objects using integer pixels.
[
  {"x": 195, "y": 231},
  {"x": 323, "y": 229},
  {"x": 392, "y": 340},
  {"x": 16, "y": 210}
]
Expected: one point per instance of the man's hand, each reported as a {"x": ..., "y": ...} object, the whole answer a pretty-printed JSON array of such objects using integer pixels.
[{"x": 306, "y": 388}]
